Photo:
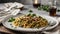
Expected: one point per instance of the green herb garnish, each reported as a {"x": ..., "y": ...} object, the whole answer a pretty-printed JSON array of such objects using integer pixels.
[
  {"x": 44, "y": 7},
  {"x": 11, "y": 19},
  {"x": 30, "y": 11},
  {"x": 33, "y": 15},
  {"x": 39, "y": 8},
  {"x": 29, "y": 15},
  {"x": 58, "y": 10}
]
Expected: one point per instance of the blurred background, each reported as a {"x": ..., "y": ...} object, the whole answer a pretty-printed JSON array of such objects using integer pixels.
[
  {"x": 29, "y": 1},
  {"x": 24, "y": 1}
]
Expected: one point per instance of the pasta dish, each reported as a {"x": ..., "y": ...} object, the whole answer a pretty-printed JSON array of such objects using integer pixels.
[{"x": 29, "y": 21}]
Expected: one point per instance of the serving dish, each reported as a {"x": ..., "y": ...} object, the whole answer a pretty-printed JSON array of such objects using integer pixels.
[{"x": 51, "y": 20}]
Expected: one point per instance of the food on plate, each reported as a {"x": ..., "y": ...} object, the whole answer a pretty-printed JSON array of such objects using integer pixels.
[
  {"x": 29, "y": 21},
  {"x": 30, "y": 11},
  {"x": 11, "y": 19}
]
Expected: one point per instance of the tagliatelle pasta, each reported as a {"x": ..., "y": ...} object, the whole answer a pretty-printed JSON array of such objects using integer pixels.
[{"x": 30, "y": 22}]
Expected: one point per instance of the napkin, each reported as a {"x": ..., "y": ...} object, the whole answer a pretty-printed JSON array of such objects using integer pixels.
[
  {"x": 18, "y": 5},
  {"x": 8, "y": 4},
  {"x": 11, "y": 9},
  {"x": 14, "y": 5},
  {"x": 15, "y": 12}
]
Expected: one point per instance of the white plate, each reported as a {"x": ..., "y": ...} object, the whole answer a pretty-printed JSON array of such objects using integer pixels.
[{"x": 7, "y": 25}]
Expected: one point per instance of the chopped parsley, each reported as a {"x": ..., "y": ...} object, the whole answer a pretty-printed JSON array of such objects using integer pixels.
[
  {"x": 33, "y": 15},
  {"x": 11, "y": 19},
  {"x": 44, "y": 7},
  {"x": 30, "y": 11},
  {"x": 58, "y": 10},
  {"x": 29, "y": 15},
  {"x": 39, "y": 8}
]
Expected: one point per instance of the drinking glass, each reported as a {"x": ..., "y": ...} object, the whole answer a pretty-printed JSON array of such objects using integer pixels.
[{"x": 36, "y": 3}]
